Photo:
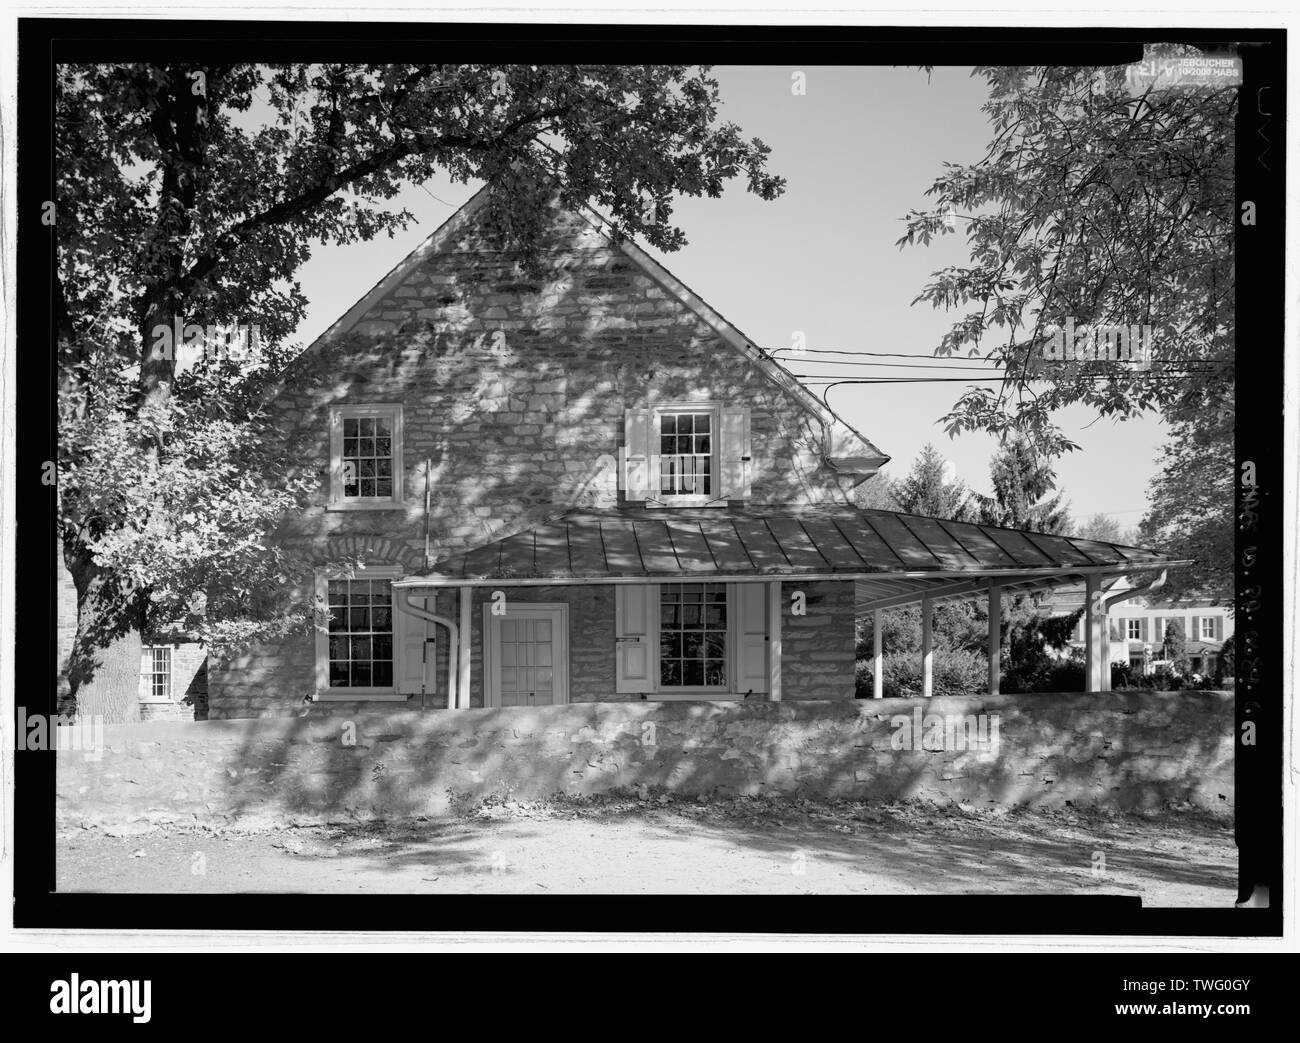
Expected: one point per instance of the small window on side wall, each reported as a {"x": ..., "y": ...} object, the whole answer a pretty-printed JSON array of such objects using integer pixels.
[{"x": 365, "y": 457}]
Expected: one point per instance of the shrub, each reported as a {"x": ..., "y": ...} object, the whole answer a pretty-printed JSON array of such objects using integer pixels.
[{"x": 956, "y": 672}]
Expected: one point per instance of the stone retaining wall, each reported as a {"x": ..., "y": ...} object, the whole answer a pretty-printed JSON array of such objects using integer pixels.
[{"x": 1121, "y": 750}]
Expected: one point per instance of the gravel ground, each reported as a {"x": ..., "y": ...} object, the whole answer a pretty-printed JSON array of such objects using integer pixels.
[{"x": 661, "y": 845}]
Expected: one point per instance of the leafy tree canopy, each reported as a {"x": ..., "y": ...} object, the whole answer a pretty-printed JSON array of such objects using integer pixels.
[{"x": 1095, "y": 204}]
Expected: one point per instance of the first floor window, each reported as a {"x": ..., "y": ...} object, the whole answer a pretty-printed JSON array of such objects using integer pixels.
[
  {"x": 158, "y": 673},
  {"x": 360, "y": 633},
  {"x": 693, "y": 635},
  {"x": 1135, "y": 630}
]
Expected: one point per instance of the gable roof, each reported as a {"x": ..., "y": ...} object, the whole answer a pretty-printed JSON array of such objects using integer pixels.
[{"x": 862, "y": 461}]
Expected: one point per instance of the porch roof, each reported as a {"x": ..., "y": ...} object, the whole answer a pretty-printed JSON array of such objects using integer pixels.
[{"x": 893, "y": 558}]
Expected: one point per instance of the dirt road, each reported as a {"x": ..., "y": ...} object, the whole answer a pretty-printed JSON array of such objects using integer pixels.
[{"x": 743, "y": 846}]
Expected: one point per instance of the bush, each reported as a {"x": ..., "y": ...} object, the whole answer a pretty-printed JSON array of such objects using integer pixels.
[{"x": 956, "y": 672}]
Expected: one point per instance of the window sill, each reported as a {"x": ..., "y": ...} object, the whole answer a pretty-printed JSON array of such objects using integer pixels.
[
  {"x": 365, "y": 505},
  {"x": 679, "y": 501},
  {"x": 358, "y": 695}
]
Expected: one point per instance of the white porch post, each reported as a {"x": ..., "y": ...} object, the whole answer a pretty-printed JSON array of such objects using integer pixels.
[
  {"x": 1096, "y": 618},
  {"x": 1105, "y": 647},
  {"x": 995, "y": 637},
  {"x": 877, "y": 659},
  {"x": 774, "y": 641},
  {"x": 462, "y": 684},
  {"x": 927, "y": 649}
]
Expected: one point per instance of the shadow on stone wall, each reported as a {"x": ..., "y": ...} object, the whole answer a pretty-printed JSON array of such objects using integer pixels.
[{"x": 1124, "y": 751}]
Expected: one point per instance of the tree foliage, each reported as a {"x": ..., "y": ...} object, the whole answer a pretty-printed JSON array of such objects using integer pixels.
[
  {"x": 1100, "y": 204},
  {"x": 1024, "y": 495},
  {"x": 924, "y": 490},
  {"x": 1191, "y": 504},
  {"x": 1105, "y": 529}
]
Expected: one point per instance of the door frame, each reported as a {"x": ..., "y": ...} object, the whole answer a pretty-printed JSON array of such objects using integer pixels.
[{"x": 558, "y": 611}]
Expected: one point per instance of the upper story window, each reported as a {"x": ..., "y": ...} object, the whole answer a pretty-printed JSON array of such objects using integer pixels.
[
  {"x": 1207, "y": 628},
  {"x": 1135, "y": 630},
  {"x": 365, "y": 456},
  {"x": 686, "y": 454}
]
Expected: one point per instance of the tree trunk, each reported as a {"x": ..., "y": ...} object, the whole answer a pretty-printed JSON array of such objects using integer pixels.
[
  {"x": 101, "y": 675},
  {"x": 113, "y": 692}
]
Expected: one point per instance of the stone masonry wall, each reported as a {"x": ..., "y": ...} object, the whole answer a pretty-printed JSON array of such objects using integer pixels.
[
  {"x": 1117, "y": 750},
  {"x": 817, "y": 660},
  {"x": 514, "y": 389}
]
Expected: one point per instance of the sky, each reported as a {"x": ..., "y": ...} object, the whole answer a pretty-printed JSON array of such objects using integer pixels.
[{"x": 857, "y": 149}]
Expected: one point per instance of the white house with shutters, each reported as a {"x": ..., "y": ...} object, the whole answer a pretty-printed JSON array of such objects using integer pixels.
[{"x": 1136, "y": 629}]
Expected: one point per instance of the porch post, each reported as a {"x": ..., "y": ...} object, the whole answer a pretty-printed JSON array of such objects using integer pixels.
[
  {"x": 1096, "y": 622},
  {"x": 995, "y": 637},
  {"x": 462, "y": 684},
  {"x": 927, "y": 649},
  {"x": 774, "y": 641},
  {"x": 1105, "y": 647},
  {"x": 877, "y": 659}
]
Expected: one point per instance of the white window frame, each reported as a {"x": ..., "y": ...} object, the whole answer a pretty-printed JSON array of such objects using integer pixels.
[
  {"x": 146, "y": 695},
  {"x": 337, "y": 501},
  {"x": 325, "y": 693},
  {"x": 1129, "y": 624},
  {"x": 696, "y": 692},
  {"x": 1202, "y": 636},
  {"x": 714, "y": 409}
]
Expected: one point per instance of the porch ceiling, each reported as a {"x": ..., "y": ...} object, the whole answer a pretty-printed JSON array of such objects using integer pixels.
[{"x": 889, "y": 555}]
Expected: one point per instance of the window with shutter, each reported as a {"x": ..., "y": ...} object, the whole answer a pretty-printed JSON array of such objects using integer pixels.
[
  {"x": 691, "y": 640},
  {"x": 691, "y": 454}
]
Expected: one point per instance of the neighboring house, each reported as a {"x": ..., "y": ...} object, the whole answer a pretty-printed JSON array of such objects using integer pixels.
[
  {"x": 585, "y": 484},
  {"x": 173, "y": 679},
  {"x": 1136, "y": 630}
]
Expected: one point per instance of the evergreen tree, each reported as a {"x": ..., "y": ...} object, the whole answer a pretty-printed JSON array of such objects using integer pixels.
[{"x": 924, "y": 490}]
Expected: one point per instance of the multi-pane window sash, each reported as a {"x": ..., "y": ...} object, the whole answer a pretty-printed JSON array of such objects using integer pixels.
[
  {"x": 686, "y": 454},
  {"x": 360, "y": 633},
  {"x": 693, "y": 635},
  {"x": 160, "y": 673},
  {"x": 367, "y": 457}
]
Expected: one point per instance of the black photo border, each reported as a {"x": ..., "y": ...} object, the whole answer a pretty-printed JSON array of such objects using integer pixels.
[{"x": 1259, "y": 442}]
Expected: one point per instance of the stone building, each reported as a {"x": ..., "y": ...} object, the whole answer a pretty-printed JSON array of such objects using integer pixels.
[{"x": 578, "y": 482}]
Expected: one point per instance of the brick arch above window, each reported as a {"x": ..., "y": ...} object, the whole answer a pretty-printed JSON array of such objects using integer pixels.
[{"x": 375, "y": 549}]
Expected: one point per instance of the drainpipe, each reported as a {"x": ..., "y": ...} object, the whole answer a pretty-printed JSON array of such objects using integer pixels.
[
  {"x": 1107, "y": 603},
  {"x": 405, "y": 604}
]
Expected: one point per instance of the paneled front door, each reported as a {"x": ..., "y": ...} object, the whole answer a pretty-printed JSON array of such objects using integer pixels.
[{"x": 527, "y": 655}]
